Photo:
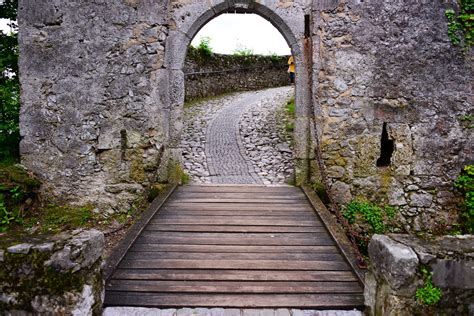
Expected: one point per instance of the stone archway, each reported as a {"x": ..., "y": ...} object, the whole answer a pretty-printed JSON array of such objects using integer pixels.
[{"x": 287, "y": 17}]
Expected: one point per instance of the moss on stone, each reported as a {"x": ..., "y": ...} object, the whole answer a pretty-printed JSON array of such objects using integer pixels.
[
  {"x": 28, "y": 276},
  {"x": 367, "y": 151},
  {"x": 13, "y": 175},
  {"x": 176, "y": 173},
  {"x": 155, "y": 190},
  {"x": 137, "y": 166}
]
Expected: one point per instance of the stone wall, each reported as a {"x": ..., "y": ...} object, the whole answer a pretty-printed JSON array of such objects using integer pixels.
[
  {"x": 55, "y": 276},
  {"x": 94, "y": 117},
  {"x": 218, "y": 74},
  {"x": 391, "y": 63},
  {"x": 395, "y": 275}
]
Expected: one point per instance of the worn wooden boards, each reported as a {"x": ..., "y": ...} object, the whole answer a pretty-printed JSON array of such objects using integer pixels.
[{"x": 236, "y": 246}]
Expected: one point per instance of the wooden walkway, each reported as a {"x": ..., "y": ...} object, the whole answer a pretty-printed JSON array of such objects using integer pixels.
[{"x": 242, "y": 247}]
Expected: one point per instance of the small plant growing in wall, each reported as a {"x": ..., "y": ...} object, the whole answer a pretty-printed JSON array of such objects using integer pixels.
[
  {"x": 428, "y": 294},
  {"x": 465, "y": 184},
  {"x": 368, "y": 219},
  {"x": 467, "y": 121},
  {"x": 460, "y": 25}
]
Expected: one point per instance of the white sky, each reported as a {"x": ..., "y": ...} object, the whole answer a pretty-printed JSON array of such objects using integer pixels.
[
  {"x": 4, "y": 25},
  {"x": 231, "y": 31}
]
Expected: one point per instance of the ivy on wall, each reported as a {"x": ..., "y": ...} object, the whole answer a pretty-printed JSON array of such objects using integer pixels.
[{"x": 460, "y": 24}]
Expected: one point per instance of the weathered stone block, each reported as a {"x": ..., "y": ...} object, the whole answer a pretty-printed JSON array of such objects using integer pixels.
[
  {"x": 392, "y": 261},
  {"x": 453, "y": 274},
  {"x": 74, "y": 285},
  {"x": 20, "y": 249},
  {"x": 421, "y": 199},
  {"x": 88, "y": 244}
]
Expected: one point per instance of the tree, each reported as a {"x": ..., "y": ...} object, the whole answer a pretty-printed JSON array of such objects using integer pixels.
[{"x": 9, "y": 85}]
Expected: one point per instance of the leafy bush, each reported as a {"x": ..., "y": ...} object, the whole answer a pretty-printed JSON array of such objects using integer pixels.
[
  {"x": 465, "y": 184},
  {"x": 204, "y": 47},
  {"x": 9, "y": 86},
  {"x": 428, "y": 294}
]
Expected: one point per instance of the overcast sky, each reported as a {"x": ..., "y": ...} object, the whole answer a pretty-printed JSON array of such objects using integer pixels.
[
  {"x": 4, "y": 25},
  {"x": 229, "y": 32}
]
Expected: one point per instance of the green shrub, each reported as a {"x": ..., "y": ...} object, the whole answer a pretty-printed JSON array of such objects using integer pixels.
[
  {"x": 204, "y": 47},
  {"x": 9, "y": 86},
  {"x": 465, "y": 184},
  {"x": 428, "y": 294}
]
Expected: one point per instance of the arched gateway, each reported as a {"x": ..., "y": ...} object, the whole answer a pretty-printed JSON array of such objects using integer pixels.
[{"x": 287, "y": 17}]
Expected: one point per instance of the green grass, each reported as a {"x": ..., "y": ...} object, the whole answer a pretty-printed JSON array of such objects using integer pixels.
[{"x": 291, "y": 108}]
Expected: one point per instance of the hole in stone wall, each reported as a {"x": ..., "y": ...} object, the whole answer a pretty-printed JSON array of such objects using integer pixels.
[
  {"x": 386, "y": 148},
  {"x": 307, "y": 26},
  {"x": 123, "y": 144}
]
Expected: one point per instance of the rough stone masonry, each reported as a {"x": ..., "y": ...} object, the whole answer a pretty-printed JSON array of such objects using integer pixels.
[{"x": 103, "y": 92}]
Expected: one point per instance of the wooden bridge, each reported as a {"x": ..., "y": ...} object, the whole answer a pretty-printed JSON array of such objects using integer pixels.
[{"x": 233, "y": 246}]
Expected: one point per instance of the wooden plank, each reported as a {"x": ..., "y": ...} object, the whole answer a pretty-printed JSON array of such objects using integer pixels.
[
  {"x": 234, "y": 248},
  {"x": 289, "y": 214},
  {"x": 316, "y": 241},
  {"x": 233, "y": 287},
  {"x": 132, "y": 255},
  {"x": 246, "y": 218},
  {"x": 233, "y": 229},
  {"x": 233, "y": 275},
  {"x": 232, "y": 195},
  {"x": 195, "y": 235},
  {"x": 321, "y": 301},
  {"x": 237, "y": 207},
  {"x": 234, "y": 264},
  {"x": 234, "y": 189},
  {"x": 235, "y": 200},
  {"x": 225, "y": 220}
]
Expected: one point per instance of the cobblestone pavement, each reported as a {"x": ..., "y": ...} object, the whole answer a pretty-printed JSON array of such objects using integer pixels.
[
  {"x": 238, "y": 139},
  {"x": 138, "y": 311}
]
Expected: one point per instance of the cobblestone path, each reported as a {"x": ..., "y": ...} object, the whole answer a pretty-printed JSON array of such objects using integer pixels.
[
  {"x": 226, "y": 158},
  {"x": 217, "y": 140}
]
